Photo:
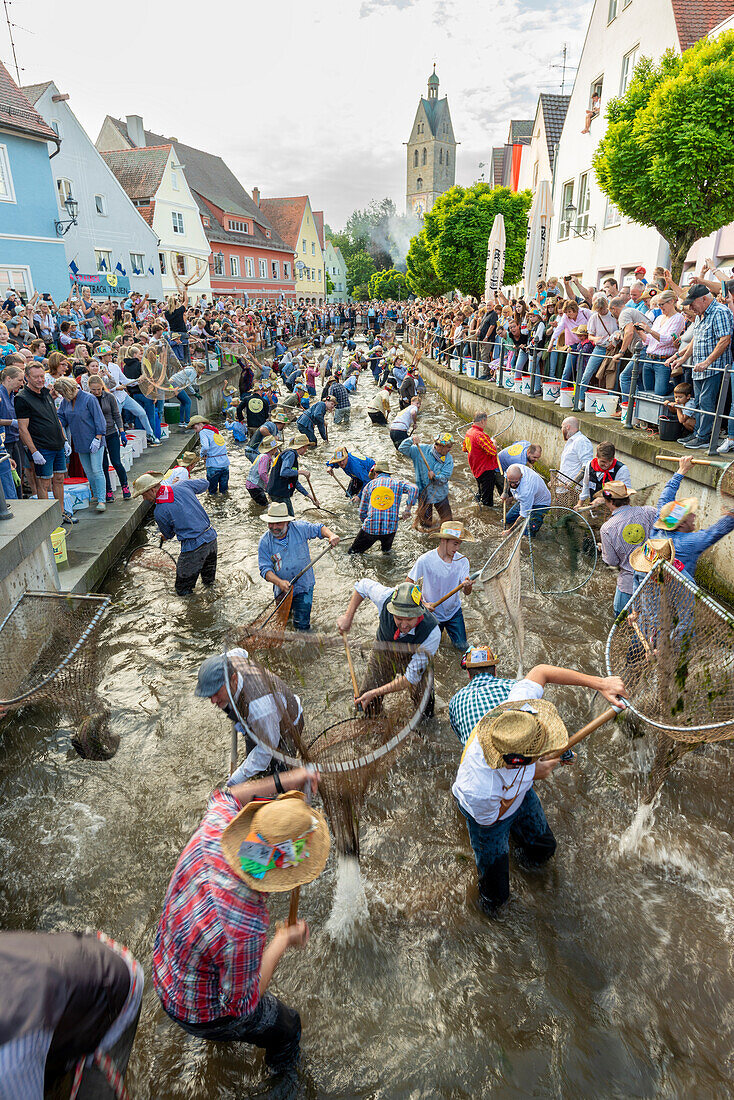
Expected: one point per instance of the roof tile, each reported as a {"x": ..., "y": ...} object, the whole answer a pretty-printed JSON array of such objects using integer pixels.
[
  {"x": 695, "y": 20},
  {"x": 139, "y": 170},
  {"x": 17, "y": 113},
  {"x": 286, "y": 216}
]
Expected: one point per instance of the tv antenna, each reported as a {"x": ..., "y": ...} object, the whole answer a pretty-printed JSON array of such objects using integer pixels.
[
  {"x": 563, "y": 66},
  {"x": 6, "y": 5}
]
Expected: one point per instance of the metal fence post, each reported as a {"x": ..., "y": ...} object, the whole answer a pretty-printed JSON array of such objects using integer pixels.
[
  {"x": 533, "y": 371},
  {"x": 719, "y": 414},
  {"x": 501, "y": 369},
  {"x": 628, "y": 417},
  {"x": 577, "y": 386}
]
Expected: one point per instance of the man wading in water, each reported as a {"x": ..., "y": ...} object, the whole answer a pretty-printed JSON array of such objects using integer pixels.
[{"x": 178, "y": 512}]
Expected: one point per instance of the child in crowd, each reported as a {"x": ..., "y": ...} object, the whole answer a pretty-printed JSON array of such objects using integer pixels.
[{"x": 684, "y": 406}]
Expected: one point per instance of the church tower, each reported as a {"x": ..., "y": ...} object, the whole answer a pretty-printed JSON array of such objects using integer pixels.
[{"x": 431, "y": 168}]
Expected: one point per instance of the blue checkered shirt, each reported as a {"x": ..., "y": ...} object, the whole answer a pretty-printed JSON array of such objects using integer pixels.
[
  {"x": 483, "y": 693},
  {"x": 715, "y": 322},
  {"x": 384, "y": 520},
  {"x": 338, "y": 392}
]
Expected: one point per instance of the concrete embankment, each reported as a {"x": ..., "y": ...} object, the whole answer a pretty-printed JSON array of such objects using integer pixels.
[{"x": 540, "y": 421}]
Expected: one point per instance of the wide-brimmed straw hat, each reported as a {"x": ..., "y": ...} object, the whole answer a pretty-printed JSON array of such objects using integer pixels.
[
  {"x": 281, "y": 417},
  {"x": 381, "y": 466},
  {"x": 524, "y": 728},
  {"x": 405, "y": 601},
  {"x": 453, "y": 529},
  {"x": 617, "y": 490},
  {"x": 300, "y": 440},
  {"x": 672, "y": 515},
  {"x": 290, "y": 834},
  {"x": 338, "y": 456},
  {"x": 197, "y": 420},
  {"x": 150, "y": 480},
  {"x": 188, "y": 456},
  {"x": 269, "y": 443},
  {"x": 478, "y": 657},
  {"x": 277, "y": 513},
  {"x": 643, "y": 559}
]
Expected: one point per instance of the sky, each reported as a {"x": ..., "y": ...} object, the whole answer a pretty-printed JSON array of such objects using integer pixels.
[{"x": 298, "y": 98}]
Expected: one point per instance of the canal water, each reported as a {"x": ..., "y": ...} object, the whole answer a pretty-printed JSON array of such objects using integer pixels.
[{"x": 608, "y": 975}]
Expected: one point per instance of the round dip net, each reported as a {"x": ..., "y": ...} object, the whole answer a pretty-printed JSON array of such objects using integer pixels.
[
  {"x": 501, "y": 582},
  {"x": 674, "y": 648},
  {"x": 48, "y": 654},
  {"x": 349, "y": 748},
  {"x": 561, "y": 551}
]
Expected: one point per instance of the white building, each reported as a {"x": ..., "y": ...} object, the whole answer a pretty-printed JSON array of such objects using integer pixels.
[
  {"x": 156, "y": 183},
  {"x": 596, "y": 240},
  {"x": 337, "y": 271},
  {"x": 109, "y": 231},
  {"x": 539, "y": 156}
]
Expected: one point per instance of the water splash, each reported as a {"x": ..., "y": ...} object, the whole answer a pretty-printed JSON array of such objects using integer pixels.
[
  {"x": 349, "y": 907},
  {"x": 632, "y": 838}
]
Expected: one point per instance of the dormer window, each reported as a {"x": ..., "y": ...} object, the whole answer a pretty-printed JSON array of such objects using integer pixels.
[{"x": 238, "y": 226}]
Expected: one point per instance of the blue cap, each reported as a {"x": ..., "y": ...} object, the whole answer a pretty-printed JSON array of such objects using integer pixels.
[{"x": 211, "y": 677}]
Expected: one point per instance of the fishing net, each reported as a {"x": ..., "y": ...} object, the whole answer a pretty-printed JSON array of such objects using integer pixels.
[
  {"x": 350, "y": 751},
  {"x": 501, "y": 581},
  {"x": 267, "y": 630},
  {"x": 726, "y": 485},
  {"x": 48, "y": 653},
  {"x": 564, "y": 490},
  {"x": 672, "y": 646},
  {"x": 562, "y": 551},
  {"x": 500, "y": 422},
  {"x": 148, "y": 557}
]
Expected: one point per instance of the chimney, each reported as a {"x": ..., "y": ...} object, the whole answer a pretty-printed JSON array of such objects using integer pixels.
[
  {"x": 135, "y": 130},
  {"x": 256, "y": 195}
]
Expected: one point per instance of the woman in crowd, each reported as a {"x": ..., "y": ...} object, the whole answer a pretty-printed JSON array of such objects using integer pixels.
[
  {"x": 114, "y": 436},
  {"x": 600, "y": 326},
  {"x": 83, "y": 419},
  {"x": 659, "y": 339}
]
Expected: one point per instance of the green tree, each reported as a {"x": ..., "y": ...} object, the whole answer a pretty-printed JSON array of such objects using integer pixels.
[
  {"x": 422, "y": 278},
  {"x": 361, "y": 293},
  {"x": 667, "y": 158},
  {"x": 329, "y": 284},
  {"x": 390, "y": 284},
  {"x": 360, "y": 267},
  {"x": 457, "y": 229}
]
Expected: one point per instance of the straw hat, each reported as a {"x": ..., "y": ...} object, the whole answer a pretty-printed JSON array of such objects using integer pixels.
[
  {"x": 405, "y": 601},
  {"x": 281, "y": 417},
  {"x": 268, "y": 443},
  {"x": 643, "y": 559},
  {"x": 277, "y": 513},
  {"x": 338, "y": 456},
  {"x": 478, "y": 657},
  {"x": 300, "y": 440},
  {"x": 285, "y": 821},
  {"x": 188, "y": 456},
  {"x": 582, "y": 330},
  {"x": 197, "y": 420},
  {"x": 528, "y": 729},
  {"x": 150, "y": 480},
  {"x": 454, "y": 529},
  {"x": 617, "y": 490},
  {"x": 672, "y": 515},
  {"x": 381, "y": 466}
]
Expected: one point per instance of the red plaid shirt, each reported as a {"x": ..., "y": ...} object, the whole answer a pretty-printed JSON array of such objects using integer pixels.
[{"x": 211, "y": 935}]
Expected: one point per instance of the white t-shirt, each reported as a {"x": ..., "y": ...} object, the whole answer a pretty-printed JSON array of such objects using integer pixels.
[
  {"x": 405, "y": 419},
  {"x": 480, "y": 789},
  {"x": 439, "y": 577}
]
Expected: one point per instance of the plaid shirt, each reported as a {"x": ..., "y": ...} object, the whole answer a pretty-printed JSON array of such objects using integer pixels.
[
  {"x": 483, "y": 693},
  {"x": 708, "y": 329},
  {"x": 383, "y": 520},
  {"x": 211, "y": 935},
  {"x": 339, "y": 393}
]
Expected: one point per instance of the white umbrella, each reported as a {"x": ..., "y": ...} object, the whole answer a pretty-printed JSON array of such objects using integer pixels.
[
  {"x": 538, "y": 238},
  {"x": 495, "y": 259}
]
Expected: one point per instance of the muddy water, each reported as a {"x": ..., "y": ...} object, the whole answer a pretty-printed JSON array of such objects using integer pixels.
[{"x": 609, "y": 975}]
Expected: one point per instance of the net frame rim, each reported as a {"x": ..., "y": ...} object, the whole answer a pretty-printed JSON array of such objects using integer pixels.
[
  {"x": 104, "y": 602},
  {"x": 521, "y": 531},
  {"x": 702, "y": 597},
  {"x": 576, "y": 588},
  {"x": 504, "y": 409}
]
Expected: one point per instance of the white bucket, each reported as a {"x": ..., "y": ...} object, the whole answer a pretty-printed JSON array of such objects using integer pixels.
[
  {"x": 137, "y": 441},
  {"x": 127, "y": 454},
  {"x": 566, "y": 396},
  {"x": 551, "y": 390},
  {"x": 114, "y": 479},
  {"x": 455, "y": 365},
  {"x": 508, "y": 381},
  {"x": 471, "y": 368},
  {"x": 524, "y": 384},
  {"x": 606, "y": 404},
  {"x": 590, "y": 400}
]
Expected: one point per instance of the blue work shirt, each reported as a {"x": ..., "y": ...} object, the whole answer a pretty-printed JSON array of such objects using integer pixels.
[
  {"x": 185, "y": 517},
  {"x": 356, "y": 467},
  {"x": 514, "y": 455},
  {"x": 213, "y": 449},
  {"x": 689, "y": 545},
  {"x": 84, "y": 420},
  {"x": 314, "y": 418},
  {"x": 289, "y": 555},
  {"x": 7, "y": 412},
  {"x": 438, "y": 488}
]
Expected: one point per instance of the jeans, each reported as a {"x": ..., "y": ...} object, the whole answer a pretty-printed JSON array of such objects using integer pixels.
[
  {"x": 456, "y": 631},
  {"x": 592, "y": 366},
  {"x": 705, "y": 393},
  {"x": 272, "y": 1026},
  {"x": 491, "y": 846},
  {"x": 553, "y": 360},
  {"x": 191, "y": 563},
  {"x": 569, "y": 371},
  {"x": 131, "y": 406},
  {"x": 112, "y": 454},
  {"x": 92, "y": 464},
  {"x": 6, "y": 479},
  {"x": 537, "y": 515},
  {"x": 55, "y": 463},
  {"x": 301, "y": 609},
  {"x": 625, "y": 379},
  {"x": 152, "y": 413},
  {"x": 185, "y": 402},
  {"x": 621, "y": 599},
  {"x": 364, "y": 541},
  {"x": 341, "y": 416},
  {"x": 656, "y": 377},
  {"x": 218, "y": 478}
]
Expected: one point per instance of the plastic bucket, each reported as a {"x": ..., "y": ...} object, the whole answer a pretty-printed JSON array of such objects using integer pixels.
[
  {"x": 592, "y": 396},
  {"x": 136, "y": 439},
  {"x": 551, "y": 390},
  {"x": 566, "y": 396},
  {"x": 172, "y": 412},
  {"x": 471, "y": 368},
  {"x": 524, "y": 384},
  {"x": 606, "y": 404},
  {"x": 508, "y": 382},
  {"x": 58, "y": 541}
]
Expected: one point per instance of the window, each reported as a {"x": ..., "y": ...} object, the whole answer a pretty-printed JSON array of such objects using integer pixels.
[
  {"x": 178, "y": 222},
  {"x": 563, "y": 223},
  {"x": 103, "y": 259},
  {"x": 237, "y": 227},
  {"x": 612, "y": 10},
  {"x": 174, "y": 179},
  {"x": 205, "y": 221},
  {"x": 440, "y": 156},
  {"x": 64, "y": 189},
  {"x": 249, "y": 267},
  {"x": 100, "y": 205},
  {"x": 447, "y": 158},
  {"x": 582, "y": 214},
  {"x": 7, "y": 193},
  {"x": 162, "y": 263},
  {"x": 275, "y": 268},
  {"x": 54, "y": 124},
  {"x": 628, "y": 67},
  {"x": 141, "y": 202},
  {"x": 419, "y": 183},
  {"x": 415, "y": 158},
  {"x": 304, "y": 246},
  {"x": 535, "y": 175},
  {"x": 424, "y": 158},
  {"x": 180, "y": 262},
  {"x": 313, "y": 249},
  {"x": 137, "y": 263},
  {"x": 263, "y": 269},
  {"x": 234, "y": 265},
  {"x": 286, "y": 270},
  {"x": 612, "y": 216},
  {"x": 16, "y": 278},
  {"x": 218, "y": 263}
]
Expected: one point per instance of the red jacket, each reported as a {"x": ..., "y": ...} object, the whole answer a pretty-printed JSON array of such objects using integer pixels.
[{"x": 481, "y": 450}]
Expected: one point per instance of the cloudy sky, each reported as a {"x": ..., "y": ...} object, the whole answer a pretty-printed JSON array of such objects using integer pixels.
[{"x": 314, "y": 98}]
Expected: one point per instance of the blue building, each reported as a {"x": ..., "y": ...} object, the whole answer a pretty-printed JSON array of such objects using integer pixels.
[{"x": 32, "y": 256}]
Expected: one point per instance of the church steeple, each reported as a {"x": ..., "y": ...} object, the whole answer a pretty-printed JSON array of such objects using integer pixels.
[
  {"x": 433, "y": 83},
  {"x": 431, "y": 149}
]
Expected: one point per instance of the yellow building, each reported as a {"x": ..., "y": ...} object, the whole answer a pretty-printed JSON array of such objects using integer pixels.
[{"x": 302, "y": 229}]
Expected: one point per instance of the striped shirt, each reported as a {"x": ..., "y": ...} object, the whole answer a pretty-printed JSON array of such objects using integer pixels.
[
  {"x": 483, "y": 693},
  {"x": 714, "y": 322},
  {"x": 627, "y": 528}
]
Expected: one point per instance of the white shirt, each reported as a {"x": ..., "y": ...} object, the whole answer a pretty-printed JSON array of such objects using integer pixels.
[
  {"x": 577, "y": 452},
  {"x": 176, "y": 474},
  {"x": 378, "y": 594},
  {"x": 405, "y": 419},
  {"x": 263, "y": 719},
  {"x": 532, "y": 492},
  {"x": 116, "y": 373},
  {"x": 480, "y": 789},
  {"x": 438, "y": 578}
]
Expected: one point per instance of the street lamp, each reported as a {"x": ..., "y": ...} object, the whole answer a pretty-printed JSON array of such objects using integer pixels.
[
  {"x": 570, "y": 215},
  {"x": 72, "y": 209}
]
